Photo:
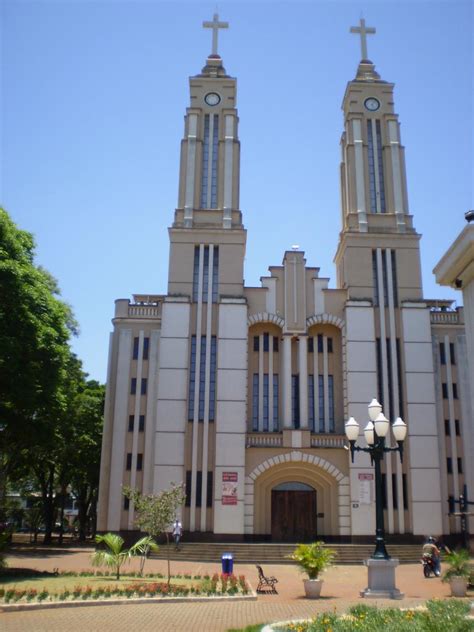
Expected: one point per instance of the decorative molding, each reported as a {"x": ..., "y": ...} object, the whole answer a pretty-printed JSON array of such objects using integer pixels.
[{"x": 264, "y": 317}]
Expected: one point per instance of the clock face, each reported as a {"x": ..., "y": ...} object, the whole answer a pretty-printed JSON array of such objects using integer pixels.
[
  {"x": 372, "y": 104},
  {"x": 212, "y": 98}
]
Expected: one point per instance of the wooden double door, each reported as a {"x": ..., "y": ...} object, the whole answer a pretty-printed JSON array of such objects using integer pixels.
[{"x": 293, "y": 515}]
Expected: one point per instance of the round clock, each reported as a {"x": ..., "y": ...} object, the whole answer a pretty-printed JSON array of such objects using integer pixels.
[
  {"x": 212, "y": 98},
  {"x": 372, "y": 104}
]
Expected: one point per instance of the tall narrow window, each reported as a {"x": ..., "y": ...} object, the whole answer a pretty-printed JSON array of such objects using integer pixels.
[
  {"x": 451, "y": 353},
  {"x": 321, "y": 402},
  {"x": 447, "y": 428},
  {"x": 393, "y": 255},
  {"x": 146, "y": 348},
  {"x": 215, "y": 274},
  {"x": 275, "y": 344},
  {"x": 390, "y": 379},
  {"x": 139, "y": 462},
  {"x": 378, "y": 356},
  {"x": 394, "y": 491},
  {"x": 459, "y": 465},
  {"x": 266, "y": 341},
  {"x": 135, "y": 348},
  {"x": 320, "y": 343},
  {"x": 144, "y": 385},
  {"x": 129, "y": 461},
  {"x": 380, "y": 166},
  {"x": 295, "y": 400},
  {"x": 141, "y": 423},
  {"x": 375, "y": 278},
  {"x": 331, "y": 402},
  {"x": 192, "y": 379},
  {"x": 212, "y": 379},
  {"x": 311, "y": 344},
  {"x": 385, "y": 278},
  {"x": 202, "y": 378},
  {"x": 455, "y": 391},
  {"x": 444, "y": 389},
  {"x": 205, "y": 275},
  {"x": 329, "y": 345},
  {"x": 372, "y": 167},
  {"x": 449, "y": 465},
  {"x": 256, "y": 343},
  {"x": 311, "y": 401},
  {"x": 205, "y": 162},
  {"x": 196, "y": 274},
  {"x": 255, "y": 402},
  {"x": 405, "y": 491},
  {"x": 275, "y": 403},
  {"x": 442, "y": 354},
  {"x": 131, "y": 419},
  {"x": 265, "y": 402},
  {"x": 133, "y": 386},
  {"x": 215, "y": 150},
  {"x": 457, "y": 427}
]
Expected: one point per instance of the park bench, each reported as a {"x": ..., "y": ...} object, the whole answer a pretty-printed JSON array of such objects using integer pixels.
[{"x": 266, "y": 584}]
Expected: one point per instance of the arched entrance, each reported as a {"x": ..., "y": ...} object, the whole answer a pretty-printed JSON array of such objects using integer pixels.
[{"x": 293, "y": 512}]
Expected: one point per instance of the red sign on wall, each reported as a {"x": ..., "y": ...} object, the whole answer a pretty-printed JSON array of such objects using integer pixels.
[{"x": 229, "y": 488}]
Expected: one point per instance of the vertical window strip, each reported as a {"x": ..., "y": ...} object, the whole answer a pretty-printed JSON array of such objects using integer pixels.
[
  {"x": 371, "y": 163},
  {"x": 452, "y": 356},
  {"x": 196, "y": 274},
  {"x": 215, "y": 149},
  {"x": 385, "y": 278},
  {"x": 405, "y": 491},
  {"x": 192, "y": 380},
  {"x": 210, "y": 488},
  {"x": 380, "y": 166},
  {"x": 275, "y": 403},
  {"x": 375, "y": 277},
  {"x": 202, "y": 378},
  {"x": 393, "y": 254},
  {"x": 135, "y": 348},
  {"x": 205, "y": 163},
  {"x": 205, "y": 275},
  {"x": 212, "y": 379},
  {"x": 331, "y": 402},
  {"x": 390, "y": 380},
  {"x": 215, "y": 274},
  {"x": 255, "y": 402},
  {"x": 146, "y": 348},
  {"x": 265, "y": 402},
  {"x": 311, "y": 402},
  {"x": 295, "y": 400},
  {"x": 321, "y": 402},
  {"x": 378, "y": 353}
]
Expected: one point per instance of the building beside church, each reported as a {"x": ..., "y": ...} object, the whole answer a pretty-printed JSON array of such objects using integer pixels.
[{"x": 242, "y": 393}]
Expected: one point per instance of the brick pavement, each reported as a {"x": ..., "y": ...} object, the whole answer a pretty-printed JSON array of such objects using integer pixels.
[{"x": 340, "y": 590}]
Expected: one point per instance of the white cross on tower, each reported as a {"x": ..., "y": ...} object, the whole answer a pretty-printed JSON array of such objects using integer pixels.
[
  {"x": 364, "y": 31},
  {"x": 215, "y": 25}
]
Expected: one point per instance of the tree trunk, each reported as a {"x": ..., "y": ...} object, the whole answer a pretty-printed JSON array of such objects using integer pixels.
[
  {"x": 168, "y": 552},
  {"x": 83, "y": 503}
]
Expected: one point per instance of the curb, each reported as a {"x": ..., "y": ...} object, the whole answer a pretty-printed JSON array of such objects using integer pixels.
[{"x": 252, "y": 596}]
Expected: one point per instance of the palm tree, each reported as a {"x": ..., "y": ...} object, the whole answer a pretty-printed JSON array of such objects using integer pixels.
[{"x": 115, "y": 555}]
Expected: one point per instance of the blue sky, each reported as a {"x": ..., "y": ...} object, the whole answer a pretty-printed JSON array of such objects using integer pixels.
[{"x": 93, "y": 99}]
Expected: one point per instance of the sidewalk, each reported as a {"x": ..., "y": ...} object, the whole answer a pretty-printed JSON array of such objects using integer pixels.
[{"x": 340, "y": 590}]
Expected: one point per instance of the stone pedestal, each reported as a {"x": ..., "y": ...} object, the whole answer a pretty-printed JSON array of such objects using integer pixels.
[{"x": 381, "y": 580}]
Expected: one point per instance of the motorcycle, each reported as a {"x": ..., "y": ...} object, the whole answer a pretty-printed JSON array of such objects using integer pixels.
[{"x": 429, "y": 566}]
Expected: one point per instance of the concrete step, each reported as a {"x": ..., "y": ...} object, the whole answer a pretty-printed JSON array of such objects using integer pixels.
[{"x": 277, "y": 553}]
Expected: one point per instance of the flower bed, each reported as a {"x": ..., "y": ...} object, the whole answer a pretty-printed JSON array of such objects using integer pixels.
[
  {"x": 183, "y": 586},
  {"x": 438, "y": 616}
]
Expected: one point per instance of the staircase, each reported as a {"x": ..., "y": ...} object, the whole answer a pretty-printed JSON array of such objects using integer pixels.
[{"x": 265, "y": 553}]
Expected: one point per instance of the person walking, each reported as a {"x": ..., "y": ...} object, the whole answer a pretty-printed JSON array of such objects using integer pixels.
[{"x": 177, "y": 533}]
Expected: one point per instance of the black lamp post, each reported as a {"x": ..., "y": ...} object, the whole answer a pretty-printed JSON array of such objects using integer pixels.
[{"x": 375, "y": 433}]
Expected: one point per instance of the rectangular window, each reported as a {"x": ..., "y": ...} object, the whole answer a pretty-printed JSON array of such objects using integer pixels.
[
  {"x": 390, "y": 378},
  {"x": 210, "y": 489},
  {"x": 188, "y": 489},
  {"x": 447, "y": 429},
  {"x": 321, "y": 402},
  {"x": 256, "y": 343},
  {"x": 126, "y": 503},
  {"x": 133, "y": 386},
  {"x": 394, "y": 491},
  {"x": 141, "y": 423},
  {"x": 449, "y": 465},
  {"x": 372, "y": 167},
  {"x": 144, "y": 385},
  {"x": 405, "y": 491},
  {"x": 215, "y": 151},
  {"x": 455, "y": 391},
  {"x": 192, "y": 379},
  {"x": 265, "y": 402},
  {"x": 331, "y": 402},
  {"x": 458, "y": 429},
  {"x": 196, "y": 274},
  {"x": 442, "y": 355},
  {"x": 378, "y": 357},
  {"x": 198, "y": 489},
  {"x": 205, "y": 275},
  {"x": 146, "y": 347},
  {"x": 394, "y": 278},
  {"x": 255, "y": 386},
  {"x": 459, "y": 465},
  {"x": 329, "y": 345},
  {"x": 375, "y": 278},
  {"x": 135, "y": 348},
  {"x": 139, "y": 462},
  {"x": 215, "y": 275},
  {"x": 129, "y": 461},
  {"x": 444, "y": 388},
  {"x": 131, "y": 419},
  {"x": 205, "y": 162},
  {"x": 311, "y": 401},
  {"x": 295, "y": 400},
  {"x": 451, "y": 353},
  {"x": 202, "y": 378},
  {"x": 275, "y": 403},
  {"x": 385, "y": 277},
  {"x": 311, "y": 344},
  {"x": 380, "y": 166},
  {"x": 320, "y": 343},
  {"x": 275, "y": 344},
  {"x": 212, "y": 379},
  {"x": 266, "y": 342}
]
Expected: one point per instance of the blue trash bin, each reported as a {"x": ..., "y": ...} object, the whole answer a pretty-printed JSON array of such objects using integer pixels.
[{"x": 227, "y": 563}]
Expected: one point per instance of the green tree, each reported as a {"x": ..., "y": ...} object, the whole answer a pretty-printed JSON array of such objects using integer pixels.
[
  {"x": 35, "y": 328},
  {"x": 155, "y": 513},
  {"x": 114, "y": 555}
]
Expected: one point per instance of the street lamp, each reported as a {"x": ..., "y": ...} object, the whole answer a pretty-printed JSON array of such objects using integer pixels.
[{"x": 375, "y": 432}]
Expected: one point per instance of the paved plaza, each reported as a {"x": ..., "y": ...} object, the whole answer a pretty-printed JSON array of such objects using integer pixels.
[{"x": 341, "y": 589}]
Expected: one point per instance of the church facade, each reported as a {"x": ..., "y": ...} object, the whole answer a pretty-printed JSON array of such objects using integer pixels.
[{"x": 242, "y": 393}]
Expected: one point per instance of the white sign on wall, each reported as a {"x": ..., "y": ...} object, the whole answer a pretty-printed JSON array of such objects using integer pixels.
[{"x": 365, "y": 488}]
